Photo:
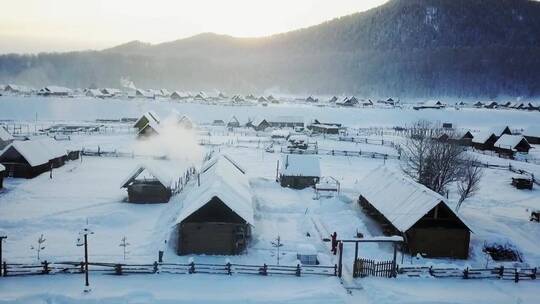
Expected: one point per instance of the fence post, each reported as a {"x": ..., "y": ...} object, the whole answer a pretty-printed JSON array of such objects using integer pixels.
[
  {"x": 501, "y": 272},
  {"x": 298, "y": 270},
  {"x": 466, "y": 273},
  {"x": 533, "y": 274},
  {"x": 192, "y": 267},
  {"x": 155, "y": 267},
  {"x": 335, "y": 270},
  {"x": 263, "y": 270},
  {"x": 430, "y": 270},
  {"x": 516, "y": 275},
  {"x": 46, "y": 269},
  {"x": 340, "y": 269},
  {"x": 5, "y": 269},
  {"x": 118, "y": 269},
  {"x": 229, "y": 272}
]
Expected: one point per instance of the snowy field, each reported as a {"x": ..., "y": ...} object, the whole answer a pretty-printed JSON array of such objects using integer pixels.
[
  {"x": 89, "y": 109},
  {"x": 89, "y": 190}
]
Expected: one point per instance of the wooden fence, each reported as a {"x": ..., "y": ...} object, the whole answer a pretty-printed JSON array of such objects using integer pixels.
[
  {"x": 366, "y": 267},
  {"x": 47, "y": 268},
  {"x": 502, "y": 273}
]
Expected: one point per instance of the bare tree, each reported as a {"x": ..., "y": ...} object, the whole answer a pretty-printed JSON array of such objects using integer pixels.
[
  {"x": 39, "y": 246},
  {"x": 431, "y": 157},
  {"x": 469, "y": 181}
]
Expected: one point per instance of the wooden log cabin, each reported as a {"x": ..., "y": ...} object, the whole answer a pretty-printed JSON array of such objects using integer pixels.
[
  {"x": 30, "y": 158},
  {"x": 299, "y": 171},
  {"x": 509, "y": 145},
  {"x": 217, "y": 216},
  {"x": 484, "y": 140},
  {"x": 149, "y": 184},
  {"x": 421, "y": 216}
]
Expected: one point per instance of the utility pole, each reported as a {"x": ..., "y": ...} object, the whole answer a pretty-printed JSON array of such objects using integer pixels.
[
  {"x": 84, "y": 242},
  {"x": 2, "y": 238}
]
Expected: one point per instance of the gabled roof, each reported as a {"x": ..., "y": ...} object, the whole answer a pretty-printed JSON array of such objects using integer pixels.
[
  {"x": 509, "y": 141},
  {"x": 499, "y": 130},
  {"x": 2, "y": 168},
  {"x": 401, "y": 200},
  {"x": 57, "y": 89},
  {"x": 220, "y": 177},
  {"x": 482, "y": 137},
  {"x": 151, "y": 116},
  {"x": 154, "y": 170},
  {"x": 4, "y": 135},
  {"x": 299, "y": 165},
  {"x": 151, "y": 124},
  {"x": 36, "y": 152}
]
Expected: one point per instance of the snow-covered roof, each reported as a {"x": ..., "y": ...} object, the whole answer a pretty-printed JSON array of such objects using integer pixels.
[
  {"x": 94, "y": 92},
  {"x": 498, "y": 130},
  {"x": 145, "y": 93},
  {"x": 151, "y": 116},
  {"x": 57, "y": 89},
  {"x": 36, "y": 152},
  {"x": 401, "y": 200},
  {"x": 287, "y": 119},
  {"x": 481, "y": 137},
  {"x": 151, "y": 170},
  {"x": 532, "y": 131},
  {"x": 509, "y": 141},
  {"x": 220, "y": 177},
  {"x": 299, "y": 165},
  {"x": 151, "y": 124},
  {"x": 4, "y": 135}
]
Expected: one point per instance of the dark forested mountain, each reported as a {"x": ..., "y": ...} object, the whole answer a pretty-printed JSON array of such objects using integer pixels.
[{"x": 407, "y": 48}]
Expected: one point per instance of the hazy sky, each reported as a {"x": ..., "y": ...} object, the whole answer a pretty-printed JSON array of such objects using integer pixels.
[{"x": 30, "y": 26}]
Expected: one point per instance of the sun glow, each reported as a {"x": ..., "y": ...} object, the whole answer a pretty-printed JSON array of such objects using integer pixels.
[{"x": 37, "y": 25}]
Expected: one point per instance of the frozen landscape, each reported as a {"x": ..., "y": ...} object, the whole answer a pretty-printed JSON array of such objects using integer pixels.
[{"x": 87, "y": 191}]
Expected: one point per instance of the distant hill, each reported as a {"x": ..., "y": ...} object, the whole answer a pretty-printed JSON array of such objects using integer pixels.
[{"x": 406, "y": 48}]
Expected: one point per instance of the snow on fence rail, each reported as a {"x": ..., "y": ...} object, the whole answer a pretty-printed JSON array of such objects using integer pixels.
[
  {"x": 502, "y": 273},
  {"x": 47, "y": 268}
]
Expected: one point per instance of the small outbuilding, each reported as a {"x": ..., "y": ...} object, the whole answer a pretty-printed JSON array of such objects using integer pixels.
[
  {"x": 423, "y": 217},
  {"x": 146, "y": 118},
  {"x": 30, "y": 158},
  {"x": 149, "y": 184},
  {"x": 233, "y": 122},
  {"x": 484, "y": 140},
  {"x": 508, "y": 145},
  {"x": 217, "y": 214},
  {"x": 299, "y": 171}
]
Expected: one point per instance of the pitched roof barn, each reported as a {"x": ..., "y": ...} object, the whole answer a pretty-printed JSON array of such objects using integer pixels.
[{"x": 423, "y": 216}]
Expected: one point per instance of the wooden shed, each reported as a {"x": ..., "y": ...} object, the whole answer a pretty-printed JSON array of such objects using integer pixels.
[
  {"x": 484, "y": 140},
  {"x": 146, "y": 118},
  {"x": 259, "y": 124},
  {"x": 233, "y": 122},
  {"x": 424, "y": 219},
  {"x": 149, "y": 184},
  {"x": 299, "y": 171},
  {"x": 217, "y": 213},
  {"x": 508, "y": 145},
  {"x": 30, "y": 158}
]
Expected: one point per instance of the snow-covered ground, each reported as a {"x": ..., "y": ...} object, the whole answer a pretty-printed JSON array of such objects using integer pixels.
[{"x": 89, "y": 190}]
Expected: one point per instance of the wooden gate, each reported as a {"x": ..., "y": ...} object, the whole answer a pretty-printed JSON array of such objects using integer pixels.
[{"x": 365, "y": 267}]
